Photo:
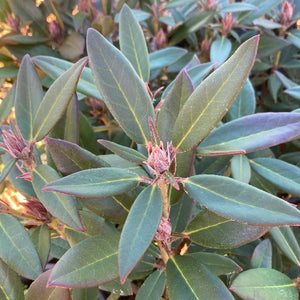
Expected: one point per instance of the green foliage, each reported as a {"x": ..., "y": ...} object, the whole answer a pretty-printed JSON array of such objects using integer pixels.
[{"x": 161, "y": 161}]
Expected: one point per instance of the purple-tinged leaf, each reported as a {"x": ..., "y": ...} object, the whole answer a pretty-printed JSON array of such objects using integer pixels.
[
  {"x": 124, "y": 152},
  {"x": 29, "y": 95},
  {"x": 264, "y": 284},
  {"x": 56, "y": 100},
  {"x": 262, "y": 255},
  {"x": 210, "y": 230},
  {"x": 95, "y": 183},
  {"x": 241, "y": 202},
  {"x": 63, "y": 207},
  {"x": 139, "y": 229},
  {"x": 252, "y": 133},
  {"x": 17, "y": 249},
  {"x": 7, "y": 168},
  {"x": 39, "y": 290},
  {"x": 92, "y": 262}
]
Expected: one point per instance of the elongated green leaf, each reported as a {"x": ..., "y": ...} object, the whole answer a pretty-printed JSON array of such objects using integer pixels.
[
  {"x": 285, "y": 80},
  {"x": 11, "y": 163},
  {"x": 70, "y": 158},
  {"x": 282, "y": 174},
  {"x": 287, "y": 242},
  {"x": 139, "y": 229},
  {"x": 216, "y": 93},
  {"x": 128, "y": 100},
  {"x": 133, "y": 44},
  {"x": 124, "y": 152},
  {"x": 252, "y": 133},
  {"x": 220, "y": 49},
  {"x": 7, "y": 103},
  {"x": 64, "y": 207},
  {"x": 116, "y": 288},
  {"x": 270, "y": 44},
  {"x": 54, "y": 67},
  {"x": 240, "y": 168},
  {"x": 264, "y": 284},
  {"x": 85, "y": 294},
  {"x": 11, "y": 286},
  {"x": 92, "y": 262},
  {"x": 56, "y": 100},
  {"x": 17, "y": 249},
  {"x": 95, "y": 183},
  {"x": 40, "y": 237},
  {"x": 294, "y": 37},
  {"x": 29, "y": 95},
  {"x": 262, "y": 255},
  {"x": 153, "y": 287},
  {"x": 238, "y": 7},
  {"x": 239, "y": 201},
  {"x": 217, "y": 264},
  {"x": 188, "y": 279},
  {"x": 294, "y": 92},
  {"x": 174, "y": 101},
  {"x": 212, "y": 231},
  {"x": 39, "y": 290}
]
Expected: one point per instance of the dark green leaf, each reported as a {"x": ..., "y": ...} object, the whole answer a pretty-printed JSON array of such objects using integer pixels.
[
  {"x": 29, "y": 95},
  {"x": 95, "y": 183},
  {"x": 139, "y": 229},
  {"x": 239, "y": 201},
  {"x": 54, "y": 67},
  {"x": 85, "y": 294},
  {"x": 92, "y": 262},
  {"x": 217, "y": 92},
  {"x": 128, "y": 100},
  {"x": 262, "y": 255},
  {"x": 64, "y": 207},
  {"x": 188, "y": 279},
  {"x": 212, "y": 231},
  {"x": 18, "y": 252},
  {"x": 287, "y": 242},
  {"x": 56, "y": 100},
  {"x": 133, "y": 44},
  {"x": 116, "y": 288},
  {"x": 124, "y": 152},
  {"x": 282, "y": 174},
  {"x": 39, "y": 290},
  {"x": 11, "y": 287},
  {"x": 269, "y": 45},
  {"x": 264, "y": 284},
  {"x": 153, "y": 287},
  {"x": 59, "y": 247}
]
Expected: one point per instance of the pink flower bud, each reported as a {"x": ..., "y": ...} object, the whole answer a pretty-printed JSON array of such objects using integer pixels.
[
  {"x": 227, "y": 24},
  {"x": 286, "y": 13},
  {"x": 13, "y": 22},
  {"x": 164, "y": 230},
  {"x": 209, "y": 4}
]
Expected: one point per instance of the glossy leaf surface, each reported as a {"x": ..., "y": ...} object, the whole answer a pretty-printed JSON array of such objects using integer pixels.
[
  {"x": 264, "y": 284},
  {"x": 133, "y": 44},
  {"x": 282, "y": 174},
  {"x": 92, "y": 262},
  {"x": 187, "y": 279},
  {"x": 64, "y": 207},
  {"x": 56, "y": 100},
  {"x": 239, "y": 201},
  {"x": 19, "y": 252},
  {"x": 95, "y": 183},
  {"x": 139, "y": 229},
  {"x": 216, "y": 93},
  {"x": 252, "y": 133},
  {"x": 212, "y": 231},
  {"x": 123, "y": 91},
  {"x": 29, "y": 95}
]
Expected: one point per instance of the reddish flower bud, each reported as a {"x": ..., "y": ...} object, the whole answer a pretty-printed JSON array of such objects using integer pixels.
[
  {"x": 286, "y": 13},
  {"x": 13, "y": 22},
  {"x": 209, "y": 4},
  {"x": 164, "y": 230},
  {"x": 227, "y": 24},
  {"x": 205, "y": 46}
]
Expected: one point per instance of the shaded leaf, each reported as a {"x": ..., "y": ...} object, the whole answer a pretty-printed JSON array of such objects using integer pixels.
[
  {"x": 287, "y": 242},
  {"x": 153, "y": 287},
  {"x": 29, "y": 95},
  {"x": 19, "y": 252},
  {"x": 239, "y": 201},
  {"x": 7, "y": 103},
  {"x": 198, "y": 118},
  {"x": 39, "y": 290},
  {"x": 123, "y": 91},
  {"x": 264, "y": 284},
  {"x": 252, "y": 133},
  {"x": 240, "y": 168},
  {"x": 188, "y": 279},
  {"x": 64, "y": 207},
  {"x": 116, "y": 288},
  {"x": 56, "y": 100},
  {"x": 212, "y": 231},
  {"x": 85, "y": 294},
  {"x": 92, "y": 262},
  {"x": 270, "y": 44},
  {"x": 282, "y": 174},
  {"x": 59, "y": 247},
  {"x": 133, "y": 44},
  {"x": 95, "y": 183},
  {"x": 7, "y": 168},
  {"x": 139, "y": 229},
  {"x": 262, "y": 255}
]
